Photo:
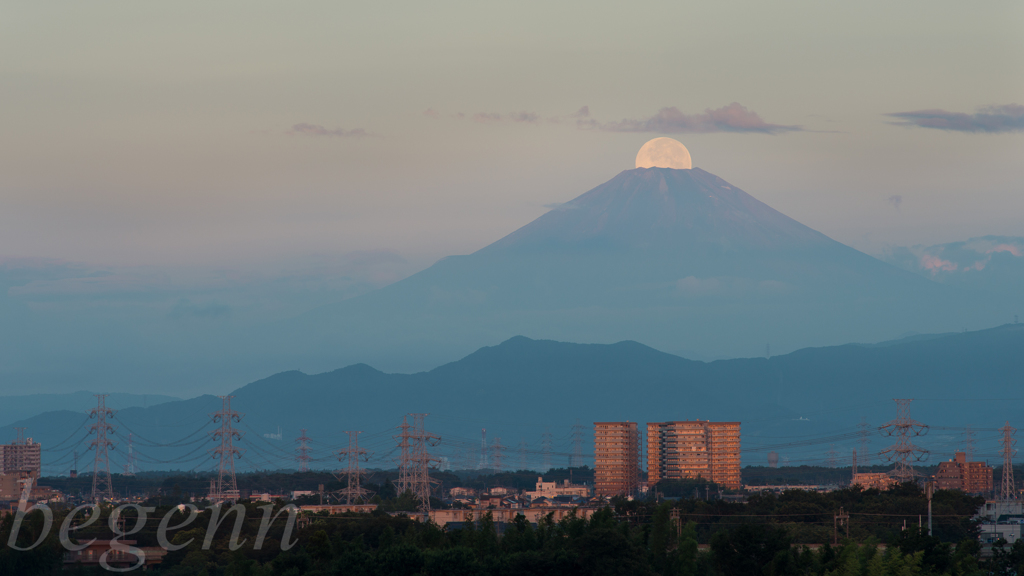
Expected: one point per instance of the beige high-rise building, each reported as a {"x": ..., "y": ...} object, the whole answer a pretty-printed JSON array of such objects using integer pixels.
[
  {"x": 692, "y": 449},
  {"x": 616, "y": 458},
  {"x": 20, "y": 456},
  {"x": 959, "y": 474},
  {"x": 19, "y": 463}
]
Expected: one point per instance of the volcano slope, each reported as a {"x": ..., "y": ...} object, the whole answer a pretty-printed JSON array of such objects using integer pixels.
[{"x": 678, "y": 259}]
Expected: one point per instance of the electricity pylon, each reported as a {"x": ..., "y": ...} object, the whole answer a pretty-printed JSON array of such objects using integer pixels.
[
  {"x": 1007, "y": 491},
  {"x": 545, "y": 444},
  {"x": 303, "y": 451},
  {"x": 102, "y": 489},
  {"x": 903, "y": 428},
  {"x": 353, "y": 490},
  {"x": 405, "y": 472},
  {"x": 498, "y": 451},
  {"x": 227, "y": 484},
  {"x": 577, "y": 445},
  {"x": 422, "y": 461},
  {"x": 863, "y": 430}
]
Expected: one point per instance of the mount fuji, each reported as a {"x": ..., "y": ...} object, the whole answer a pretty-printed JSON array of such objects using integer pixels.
[{"x": 678, "y": 259}]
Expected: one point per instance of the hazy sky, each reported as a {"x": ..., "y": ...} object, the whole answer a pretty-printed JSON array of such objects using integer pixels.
[{"x": 248, "y": 133}]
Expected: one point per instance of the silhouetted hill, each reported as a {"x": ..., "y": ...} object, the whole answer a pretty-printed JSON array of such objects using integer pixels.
[
  {"x": 18, "y": 407},
  {"x": 521, "y": 387}
]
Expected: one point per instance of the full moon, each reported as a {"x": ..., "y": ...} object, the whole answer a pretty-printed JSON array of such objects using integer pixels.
[{"x": 664, "y": 153}]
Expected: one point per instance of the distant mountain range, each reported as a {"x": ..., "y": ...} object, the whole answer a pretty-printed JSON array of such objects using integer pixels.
[
  {"x": 17, "y": 407},
  {"x": 680, "y": 260},
  {"x": 522, "y": 387}
]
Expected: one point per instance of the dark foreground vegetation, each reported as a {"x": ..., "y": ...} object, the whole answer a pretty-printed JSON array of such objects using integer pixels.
[{"x": 788, "y": 534}]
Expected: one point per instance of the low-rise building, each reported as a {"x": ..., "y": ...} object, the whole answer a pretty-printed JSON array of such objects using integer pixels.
[
  {"x": 553, "y": 489},
  {"x": 120, "y": 557},
  {"x": 532, "y": 515},
  {"x": 338, "y": 508},
  {"x": 877, "y": 480},
  {"x": 1000, "y": 519}
]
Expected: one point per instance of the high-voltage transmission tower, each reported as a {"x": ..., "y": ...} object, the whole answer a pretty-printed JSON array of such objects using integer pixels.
[
  {"x": 498, "y": 452},
  {"x": 227, "y": 484},
  {"x": 854, "y": 463},
  {"x": 969, "y": 443},
  {"x": 129, "y": 468},
  {"x": 1007, "y": 490},
  {"x": 577, "y": 445},
  {"x": 522, "y": 454},
  {"x": 353, "y": 490},
  {"x": 903, "y": 428},
  {"x": 483, "y": 449},
  {"x": 864, "y": 429},
  {"x": 422, "y": 482},
  {"x": 102, "y": 489},
  {"x": 545, "y": 443},
  {"x": 832, "y": 456},
  {"x": 405, "y": 471},
  {"x": 303, "y": 451}
]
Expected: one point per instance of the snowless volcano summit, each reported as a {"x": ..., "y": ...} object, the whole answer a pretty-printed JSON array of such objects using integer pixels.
[
  {"x": 664, "y": 209},
  {"x": 678, "y": 259}
]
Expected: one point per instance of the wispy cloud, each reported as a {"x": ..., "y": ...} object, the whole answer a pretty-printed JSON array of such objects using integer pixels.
[
  {"x": 991, "y": 119},
  {"x": 732, "y": 118},
  {"x": 895, "y": 201},
  {"x": 488, "y": 117},
  {"x": 317, "y": 130}
]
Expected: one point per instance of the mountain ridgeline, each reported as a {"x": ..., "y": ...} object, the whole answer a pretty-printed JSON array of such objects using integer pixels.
[{"x": 522, "y": 386}]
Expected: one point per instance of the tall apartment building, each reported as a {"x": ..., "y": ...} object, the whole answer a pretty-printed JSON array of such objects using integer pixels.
[
  {"x": 959, "y": 474},
  {"x": 692, "y": 449},
  {"x": 19, "y": 464},
  {"x": 616, "y": 458},
  {"x": 20, "y": 456}
]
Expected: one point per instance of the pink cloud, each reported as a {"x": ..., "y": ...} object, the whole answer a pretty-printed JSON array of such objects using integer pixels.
[
  {"x": 1015, "y": 250},
  {"x": 935, "y": 264}
]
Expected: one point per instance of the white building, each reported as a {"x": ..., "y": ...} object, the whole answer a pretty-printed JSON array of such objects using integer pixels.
[
  {"x": 553, "y": 489},
  {"x": 1001, "y": 519}
]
